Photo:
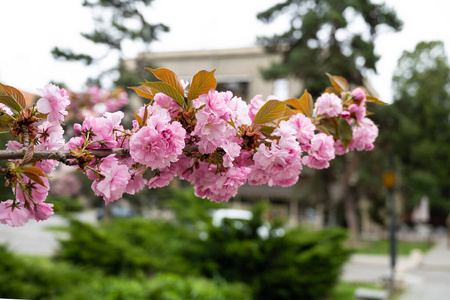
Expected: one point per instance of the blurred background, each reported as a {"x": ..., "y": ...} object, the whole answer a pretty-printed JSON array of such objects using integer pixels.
[{"x": 324, "y": 238}]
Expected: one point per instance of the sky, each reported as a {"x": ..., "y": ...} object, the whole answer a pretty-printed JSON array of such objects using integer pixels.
[{"x": 30, "y": 29}]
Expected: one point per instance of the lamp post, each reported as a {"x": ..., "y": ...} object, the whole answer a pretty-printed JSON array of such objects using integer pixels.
[{"x": 389, "y": 183}]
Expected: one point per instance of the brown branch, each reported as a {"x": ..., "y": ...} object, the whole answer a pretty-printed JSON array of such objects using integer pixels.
[{"x": 60, "y": 155}]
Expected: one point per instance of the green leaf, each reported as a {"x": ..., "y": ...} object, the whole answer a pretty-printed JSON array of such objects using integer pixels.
[
  {"x": 5, "y": 120},
  {"x": 267, "y": 130},
  {"x": 162, "y": 87},
  {"x": 270, "y": 111},
  {"x": 345, "y": 132},
  {"x": 201, "y": 83},
  {"x": 168, "y": 77},
  {"x": 11, "y": 103},
  {"x": 16, "y": 95},
  {"x": 338, "y": 82},
  {"x": 331, "y": 126}
]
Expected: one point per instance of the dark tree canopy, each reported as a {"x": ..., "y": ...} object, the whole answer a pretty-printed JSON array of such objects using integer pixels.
[
  {"x": 116, "y": 21},
  {"x": 417, "y": 124},
  {"x": 334, "y": 36}
]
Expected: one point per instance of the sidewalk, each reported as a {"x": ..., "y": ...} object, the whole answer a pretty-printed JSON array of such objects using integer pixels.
[
  {"x": 34, "y": 238},
  {"x": 432, "y": 276},
  {"x": 425, "y": 277}
]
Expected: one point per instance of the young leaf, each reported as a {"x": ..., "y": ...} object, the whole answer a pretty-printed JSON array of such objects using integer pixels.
[
  {"x": 269, "y": 112},
  {"x": 10, "y": 102},
  {"x": 138, "y": 119},
  {"x": 304, "y": 104},
  {"x": 5, "y": 120},
  {"x": 267, "y": 130},
  {"x": 162, "y": 87},
  {"x": 144, "y": 91},
  {"x": 168, "y": 77},
  {"x": 16, "y": 95},
  {"x": 338, "y": 82},
  {"x": 375, "y": 99},
  {"x": 345, "y": 132},
  {"x": 201, "y": 83},
  {"x": 332, "y": 90},
  {"x": 34, "y": 174},
  {"x": 331, "y": 126}
]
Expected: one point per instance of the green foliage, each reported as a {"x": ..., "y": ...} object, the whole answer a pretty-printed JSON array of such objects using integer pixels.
[
  {"x": 37, "y": 278},
  {"x": 64, "y": 204},
  {"x": 295, "y": 265},
  {"x": 417, "y": 128},
  {"x": 176, "y": 287},
  {"x": 131, "y": 246},
  {"x": 319, "y": 39},
  {"x": 96, "y": 248}
]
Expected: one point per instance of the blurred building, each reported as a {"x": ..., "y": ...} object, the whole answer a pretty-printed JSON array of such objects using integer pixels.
[{"x": 237, "y": 70}]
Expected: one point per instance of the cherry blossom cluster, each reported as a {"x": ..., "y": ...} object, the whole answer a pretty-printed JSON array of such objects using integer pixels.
[{"x": 212, "y": 139}]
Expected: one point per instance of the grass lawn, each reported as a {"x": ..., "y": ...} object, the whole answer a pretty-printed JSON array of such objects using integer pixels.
[{"x": 381, "y": 247}]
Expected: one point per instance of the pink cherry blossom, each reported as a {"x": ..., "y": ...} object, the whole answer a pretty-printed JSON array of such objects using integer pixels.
[
  {"x": 161, "y": 179},
  {"x": 13, "y": 215},
  {"x": 358, "y": 94},
  {"x": 329, "y": 105},
  {"x": 303, "y": 127},
  {"x": 114, "y": 184},
  {"x": 364, "y": 135},
  {"x": 53, "y": 102},
  {"x": 158, "y": 144},
  {"x": 41, "y": 212},
  {"x": 28, "y": 188},
  {"x": 358, "y": 111},
  {"x": 321, "y": 152}
]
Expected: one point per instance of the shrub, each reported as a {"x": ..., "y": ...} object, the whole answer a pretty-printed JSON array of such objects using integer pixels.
[{"x": 296, "y": 265}]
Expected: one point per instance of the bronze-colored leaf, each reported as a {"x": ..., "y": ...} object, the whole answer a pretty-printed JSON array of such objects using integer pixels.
[
  {"x": 304, "y": 104},
  {"x": 288, "y": 112},
  {"x": 16, "y": 95},
  {"x": 168, "y": 77},
  {"x": 201, "y": 83},
  {"x": 345, "y": 132},
  {"x": 332, "y": 90},
  {"x": 138, "y": 119},
  {"x": 269, "y": 112},
  {"x": 338, "y": 82},
  {"x": 144, "y": 91},
  {"x": 375, "y": 99},
  {"x": 162, "y": 87},
  {"x": 34, "y": 174}
]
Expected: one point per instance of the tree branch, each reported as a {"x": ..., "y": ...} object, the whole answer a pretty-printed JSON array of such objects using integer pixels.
[{"x": 61, "y": 155}]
